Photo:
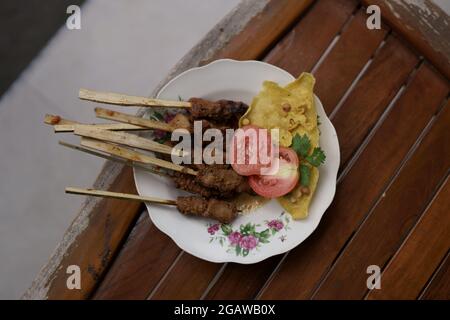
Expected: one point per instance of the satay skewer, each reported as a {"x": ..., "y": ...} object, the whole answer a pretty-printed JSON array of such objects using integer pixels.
[
  {"x": 126, "y": 162},
  {"x": 222, "y": 211},
  {"x": 124, "y": 139},
  {"x": 199, "y": 108},
  {"x": 64, "y": 125},
  {"x": 184, "y": 182},
  {"x": 128, "y": 100},
  {"x": 224, "y": 180},
  {"x": 129, "y": 154},
  {"x": 118, "y": 195},
  {"x": 130, "y": 119}
]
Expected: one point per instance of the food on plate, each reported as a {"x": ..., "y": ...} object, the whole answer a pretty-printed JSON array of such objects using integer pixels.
[
  {"x": 248, "y": 145},
  {"x": 222, "y": 211},
  {"x": 282, "y": 181},
  {"x": 199, "y": 108},
  {"x": 291, "y": 109},
  {"x": 220, "y": 110},
  {"x": 221, "y": 179}
]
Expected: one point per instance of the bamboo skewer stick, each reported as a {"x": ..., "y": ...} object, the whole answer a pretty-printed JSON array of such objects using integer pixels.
[
  {"x": 103, "y": 126},
  {"x": 123, "y": 138},
  {"x": 115, "y": 159},
  {"x": 132, "y": 155},
  {"x": 53, "y": 119},
  {"x": 127, "y": 100},
  {"x": 118, "y": 195},
  {"x": 63, "y": 125},
  {"x": 126, "y": 118}
]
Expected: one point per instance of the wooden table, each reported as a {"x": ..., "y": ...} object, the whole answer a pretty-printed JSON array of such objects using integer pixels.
[{"x": 386, "y": 93}]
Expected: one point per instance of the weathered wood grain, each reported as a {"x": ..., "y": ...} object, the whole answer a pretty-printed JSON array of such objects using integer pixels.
[
  {"x": 303, "y": 46},
  {"x": 391, "y": 220},
  {"x": 304, "y": 267},
  {"x": 409, "y": 270},
  {"x": 439, "y": 286},
  {"x": 91, "y": 240},
  {"x": 242, "y": 281},
  {"x": 423, "y": 24},
  {"x": 388, "y": 72},
  {"x": 187, "y": 278},
  {"x": 147, "y": 251},
  {"x": 355, "y": 47},
  {"x": 263, "y": 30}
]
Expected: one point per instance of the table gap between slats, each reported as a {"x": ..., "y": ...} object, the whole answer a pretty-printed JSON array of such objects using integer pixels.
[
  {"x": 405, "y": 275},
  {"x": 349, "y": 260},
  {"x": 438, "y": 287}
]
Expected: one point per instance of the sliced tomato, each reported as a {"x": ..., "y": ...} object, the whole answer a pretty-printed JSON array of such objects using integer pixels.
[
  {"x": 282, "y": 181},
  {"x": 251, "y": 150}
]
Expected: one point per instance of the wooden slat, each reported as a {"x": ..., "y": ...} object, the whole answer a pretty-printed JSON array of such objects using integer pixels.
[
  {"x": 408, "y": 272},
  {"x": 383, "y": 231},
  {"x": 263, "y": 30},
  {"x": 196, "y": 280},
  {"x": 309, "y": 39},
  {"x": 355, "y": 47},
  {"x": 424, "y": 25},
  {"x": 388, "y": 72},
  {"x": 304, "y": 266},
  {"x": 145, "y": 238},
  {"x": 191, "y": 280},
  {"x": 83, "y": 243},
  {"x": 242, "y": 281},
  {"x": 439, "y": 287}
]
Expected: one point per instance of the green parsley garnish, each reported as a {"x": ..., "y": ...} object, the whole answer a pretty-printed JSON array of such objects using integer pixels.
[
  {"x": 317, "y": 157},
  {"x": 305, "y": 175},
  {"x": 302, "y": 145}
]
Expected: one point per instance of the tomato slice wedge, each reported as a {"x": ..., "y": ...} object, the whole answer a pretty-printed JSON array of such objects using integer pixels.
[
  {"x": 281, "y": 182},
  {"x": 251, "y": 150}
]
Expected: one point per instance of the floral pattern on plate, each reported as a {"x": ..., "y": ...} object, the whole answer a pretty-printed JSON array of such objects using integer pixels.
[{"x": 248, "y": 237}]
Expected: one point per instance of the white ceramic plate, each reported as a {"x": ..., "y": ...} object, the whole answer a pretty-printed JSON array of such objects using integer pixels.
[{"x": 275, "y": 231}]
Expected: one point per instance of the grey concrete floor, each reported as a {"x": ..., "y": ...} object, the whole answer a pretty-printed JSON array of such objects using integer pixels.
[{"x": 125, "y": 46}]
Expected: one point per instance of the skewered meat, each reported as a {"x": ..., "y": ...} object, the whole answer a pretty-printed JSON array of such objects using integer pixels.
[
  {"x": 222, "y": 211},
  {"x": 221, "y": 110},
  {"x": 181, "y": 121},
  {"x": 190, "y": 184},
  {"x": 184, "y": 121},
  {"x": 224, "y": 180}
]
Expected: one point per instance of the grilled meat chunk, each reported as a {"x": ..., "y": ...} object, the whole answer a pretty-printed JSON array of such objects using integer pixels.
[
  {"x": 219, "y": 210},
  {"x": 190, "y": 184},
  {"x": 224, "y": 180},
  {"x": 221, "y": 110}
]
